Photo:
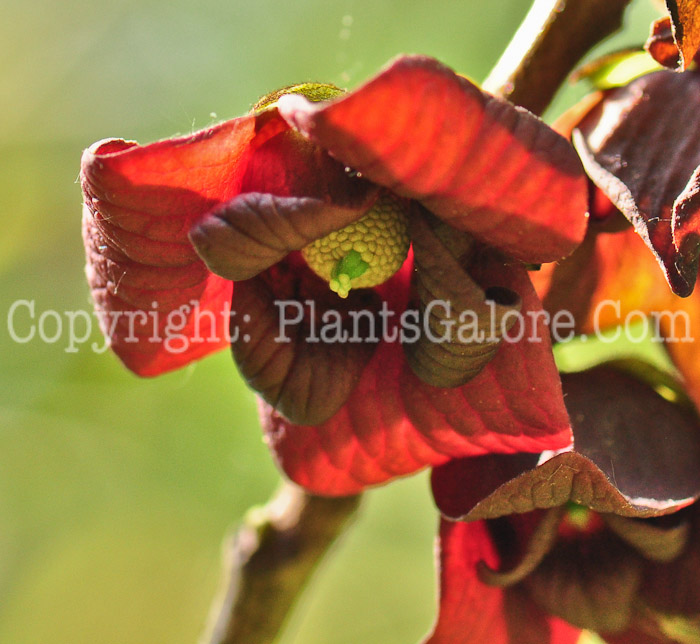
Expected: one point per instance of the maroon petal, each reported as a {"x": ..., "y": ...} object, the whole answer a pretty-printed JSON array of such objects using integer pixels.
[
  {"x": 591, "y": 583},
  {"x": 306, "y": 374},
  {"x": 394, "y": 424},
  {"x": 535, "y": 548},
  {"x": 476, "y": 161},
  {"x": 255, "y": 230},
  {"x": 612, "y": 468},
  {"x": 674, "y": 588},
  {"x": 468, "y": 320},
  {"x": 641, "y": 147},
  {"x": 656, "y": 541},
  {"x": 634, "y": 636}
]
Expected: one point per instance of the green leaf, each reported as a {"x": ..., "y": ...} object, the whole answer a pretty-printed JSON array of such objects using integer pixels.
[{"x": 617, "y": 69}]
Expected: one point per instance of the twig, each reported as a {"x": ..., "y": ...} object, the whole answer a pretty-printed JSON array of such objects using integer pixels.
[
  {"x": 269, "y": 560},
  {"x": 552, "y": 39}
]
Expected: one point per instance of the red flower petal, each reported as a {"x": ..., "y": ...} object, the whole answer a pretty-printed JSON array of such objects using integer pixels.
[
  {"x": 139, "y": 205},
  {"x": 394, "y": 424},
  {"x": 142, "y": 201},
  {"x": 478, "y": 162},
  {"x": 472, "y": 612}
]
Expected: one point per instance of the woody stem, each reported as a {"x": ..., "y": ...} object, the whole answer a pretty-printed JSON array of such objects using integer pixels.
[
  {"x": 269, "y": 560},
  {"x": 552, "y": 39}
]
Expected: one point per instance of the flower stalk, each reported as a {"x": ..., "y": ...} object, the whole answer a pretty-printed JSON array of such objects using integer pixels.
[
  {"x": 270, "y": 559},
  {"x": 552, "y": 39}
]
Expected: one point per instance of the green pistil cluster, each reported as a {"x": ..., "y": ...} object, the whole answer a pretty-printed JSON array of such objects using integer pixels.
[
  {"x": 578, "y": 516},
  {"x": 347, "y": 269},
  {"x": 365, "y": 253}
]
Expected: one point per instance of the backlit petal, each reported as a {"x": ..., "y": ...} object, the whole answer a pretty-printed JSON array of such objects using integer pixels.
[
  {"x": 476, "y": 161},
  {"x": 140, "y": 202}
]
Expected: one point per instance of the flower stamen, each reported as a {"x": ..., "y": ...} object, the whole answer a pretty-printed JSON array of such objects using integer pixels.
[{"x": 365, "y": 253}]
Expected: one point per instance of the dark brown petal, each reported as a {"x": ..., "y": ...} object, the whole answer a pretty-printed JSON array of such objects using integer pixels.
[
  {"x": 281, "y": 350},
  {"x": 538, "y": 545},
  {"x": 674, "y": 588},
  {"x": 450, "y": 302},
  {"x": 647, "y": 447},
  {"x": 641, "y": 146},
  {"x": 636, "y": 454},
  {"x": 636, "y": 637},
  {"x": 256, "y": 230},
  {"x": 591, "y": 583},
  {"x": 653, "y": 539}
]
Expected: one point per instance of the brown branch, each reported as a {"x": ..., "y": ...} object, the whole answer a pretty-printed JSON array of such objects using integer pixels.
[
  {"x": 269, "y": 560},
  {"x": 552, "y": 39}
]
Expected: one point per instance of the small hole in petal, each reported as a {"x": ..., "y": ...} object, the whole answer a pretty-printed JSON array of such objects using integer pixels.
[{"x": 501, "y": 296}]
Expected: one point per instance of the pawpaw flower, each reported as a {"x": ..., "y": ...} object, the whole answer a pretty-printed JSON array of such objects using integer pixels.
[
  {"x": 351, "y": 224},
  {"x": 640, "y": 145},
  {"x": 603, "y": 537},
  {"x": 638, "y": 264}
]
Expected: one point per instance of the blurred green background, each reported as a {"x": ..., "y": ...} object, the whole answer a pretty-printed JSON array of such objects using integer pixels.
[{"x": 115, "y": 492}]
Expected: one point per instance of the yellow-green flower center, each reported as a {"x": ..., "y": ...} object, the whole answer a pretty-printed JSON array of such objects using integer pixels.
[
  {"x": 313, "y": 91},
  {"x": 365, "y": 253},
  {"x": 368, "y": 251}
]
